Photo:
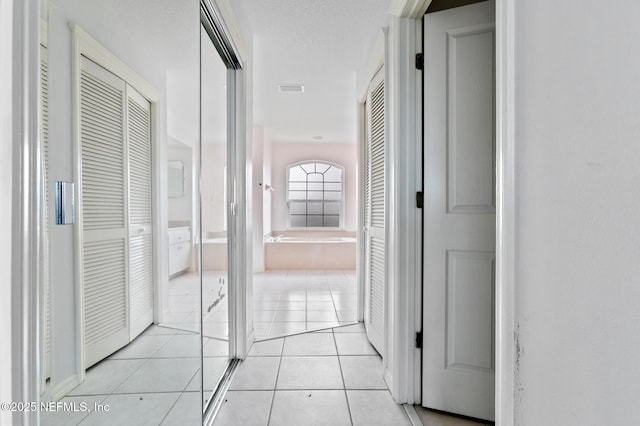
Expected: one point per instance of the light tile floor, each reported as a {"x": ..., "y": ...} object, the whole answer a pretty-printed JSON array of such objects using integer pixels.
[
  {"x": 155, "y": 380},
  {"x": 289, "y": 302},
  {"x": 285, "y": 302},
  {"x": 183, "y": 304},
  {"x": 312, "y": 379}
]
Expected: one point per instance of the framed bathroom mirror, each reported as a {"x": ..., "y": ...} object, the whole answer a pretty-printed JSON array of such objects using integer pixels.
[{"x": 175, "y": 179}]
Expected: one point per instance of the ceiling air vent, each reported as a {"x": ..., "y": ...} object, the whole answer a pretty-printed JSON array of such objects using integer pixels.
[{"x": 290, "y": 88}]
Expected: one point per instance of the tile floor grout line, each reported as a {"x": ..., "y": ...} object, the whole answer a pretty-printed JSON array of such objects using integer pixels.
[
  {"x": 88, "y": 413},
  {"x": 306, "y": 304},
  {"x": 128, "y": 377},
  {"x": 306, "y": 388},
  {"x": 274, "y": 315},
  {"x": 172, "y": 406},
  {"x": 129, "y": 393},
  {"x": 335, "y": 308},
  {"x": 275, "y": 386},
  {"x": 346, "y": 397},
  {"x": 91, "y": 412},
  {"x": 323, "y": 355}
]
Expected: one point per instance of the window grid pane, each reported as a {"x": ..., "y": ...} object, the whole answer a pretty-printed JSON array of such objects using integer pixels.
[{"x": 315, "y": 195}]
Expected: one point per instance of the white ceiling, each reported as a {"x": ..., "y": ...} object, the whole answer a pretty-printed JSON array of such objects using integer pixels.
[{"x": 320, "y": 44}]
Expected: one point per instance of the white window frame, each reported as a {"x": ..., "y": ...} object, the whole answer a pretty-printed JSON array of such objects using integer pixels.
[{"x": 342, "y": 199}]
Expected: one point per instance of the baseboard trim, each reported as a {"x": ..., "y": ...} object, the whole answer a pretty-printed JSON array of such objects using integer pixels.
[
  {"x": 413, "y": 414},
  {"x": 63, "y": 388}
]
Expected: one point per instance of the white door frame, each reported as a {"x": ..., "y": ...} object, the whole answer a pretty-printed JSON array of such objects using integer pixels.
[
  {"x": 20, "y": 215},
  {"x": 400, "y": 59},
  {"x": 395, "y": 49},
  {"x": 402, "y": 310},
  {"x": 506, "y": 212}
]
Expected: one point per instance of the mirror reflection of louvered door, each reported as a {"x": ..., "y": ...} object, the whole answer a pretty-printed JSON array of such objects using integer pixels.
[
  {"x": 140, "y": 237},
  {"x": 115, "y": 215},
  {"x": 44, "y": 128},
  {"x": 102, "y": 214},
  {"x": 375, "y": 214}
]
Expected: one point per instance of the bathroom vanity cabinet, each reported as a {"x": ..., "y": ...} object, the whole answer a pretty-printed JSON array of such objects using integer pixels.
[{"x": 179, "y": 250}]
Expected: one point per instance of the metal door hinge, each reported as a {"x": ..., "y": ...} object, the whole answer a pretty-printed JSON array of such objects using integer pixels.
[
  {"x": 419, "y": 61},
  {"x": 419, "y": 199},
  {"x": 419, "y": 340}
]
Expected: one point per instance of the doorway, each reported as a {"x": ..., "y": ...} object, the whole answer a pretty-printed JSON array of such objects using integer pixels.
[{"x": 460, "y": 211}]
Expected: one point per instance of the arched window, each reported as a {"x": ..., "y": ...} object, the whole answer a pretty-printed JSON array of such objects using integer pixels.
[{"x": 315, "y": 195}]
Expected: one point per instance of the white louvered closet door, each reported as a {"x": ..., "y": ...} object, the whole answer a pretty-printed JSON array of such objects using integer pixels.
[
  {"x": 44, "y": 120},
  {"x": 375, "y": 211},
  {"x": 140, "y": 236},
  {"x": 103, "y": 207}
]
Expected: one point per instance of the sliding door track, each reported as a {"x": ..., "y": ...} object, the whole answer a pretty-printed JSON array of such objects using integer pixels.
[{"x": 216, "y": 400}]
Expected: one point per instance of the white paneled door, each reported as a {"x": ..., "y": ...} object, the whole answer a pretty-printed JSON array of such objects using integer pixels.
[
  {"x": 459, "y": 222},
  {"x": 115, "y": 214},
  {"x": 375, "y": 213}
]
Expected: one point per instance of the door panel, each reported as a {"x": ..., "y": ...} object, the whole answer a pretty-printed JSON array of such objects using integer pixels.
[
  {"x": 140, "y": 241},
  {"x": 44, "y": 121},
  {"x": 103, "y": 205},
  {"x": 375, "y": 214},
  {"x": 469, "y": 304},
  {"x": 470, "y": 141},
  {"x": 115, "y": 194},
  {"x": 459, "y": 227}
]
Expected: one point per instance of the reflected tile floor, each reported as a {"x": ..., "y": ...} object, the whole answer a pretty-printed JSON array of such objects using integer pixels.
[
  {"x": 183, "y": 304},
  {"x": 310, "y": 379},
  {"x": 155, "y": 380},
  {"x": 291, "y": 302}
]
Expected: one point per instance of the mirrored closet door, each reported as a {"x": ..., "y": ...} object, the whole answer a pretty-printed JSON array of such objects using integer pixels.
[
  {"x": 217, "y": 216},
  {"x": 121, "y": 288},
  {"x": 213, "y": 236}
]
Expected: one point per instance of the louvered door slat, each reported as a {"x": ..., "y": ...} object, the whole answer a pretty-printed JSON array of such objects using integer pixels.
[
  {"x": 140, "y": 264},
  {"x": 102, "y": 156},
  {"x": 139, "y": 126},
  {"x": 377, "y": 156},
  {"x": 377, "y": 284},
  {"x": 140, "y": 241},
  {"x": 367, "y": 172},
  {"x": 103, "y": 189},
  {"x": 105, "y": 292},
  {"x": 375, "y": 210},
  {"x": 44, "y": 119}
]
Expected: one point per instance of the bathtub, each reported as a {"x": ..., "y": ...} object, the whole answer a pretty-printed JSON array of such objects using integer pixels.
[
  {"x": 281, "y": 239},
  {"x": 214, "y": 253},
  {"x": 315, "y": 250}
]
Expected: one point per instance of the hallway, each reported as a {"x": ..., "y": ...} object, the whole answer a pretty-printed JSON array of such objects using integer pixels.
[
  {"x": 329, "y": 377},
  {"x": 289, "y": 302}
]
